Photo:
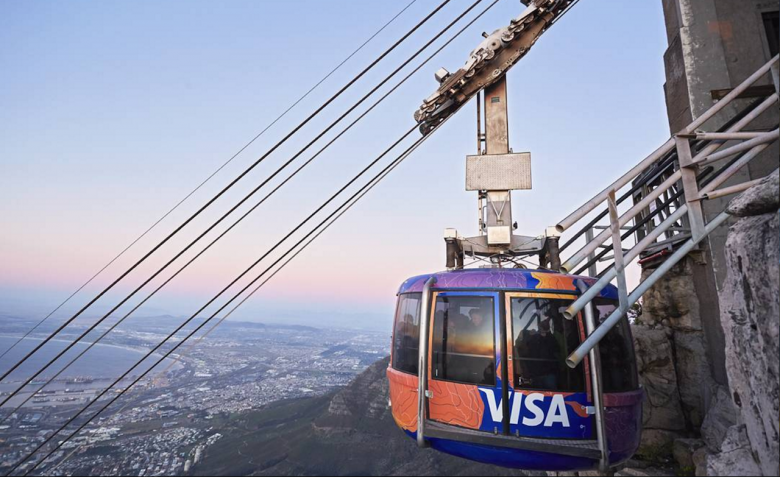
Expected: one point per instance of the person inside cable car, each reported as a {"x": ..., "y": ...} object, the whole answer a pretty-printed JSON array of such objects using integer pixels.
[
  {"x": 542, "y": 347},
  {"x": 478, "y": 322},
  {"x": 462, "y": 328},
  {"x": 543, "y": 339}
]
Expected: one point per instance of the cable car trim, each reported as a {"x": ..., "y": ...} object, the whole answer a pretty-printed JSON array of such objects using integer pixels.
[{"x": 571, "y": 447}]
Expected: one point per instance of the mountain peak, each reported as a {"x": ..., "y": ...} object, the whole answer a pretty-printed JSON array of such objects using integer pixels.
[{"x": 348, "y": 432}]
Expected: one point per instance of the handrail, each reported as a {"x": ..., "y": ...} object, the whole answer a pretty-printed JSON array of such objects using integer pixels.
[
  {"x": 758, "y": 145},
  {"x": 730, "y": 190},
  {"x": 617, "y": 251},
  {"x": 597, "y": 389},
  {"x": 750, "y": 145},
  {"x": 595, "y": 289},
  {"x": 733, "y": 169},
  {"x": 743, "y": 146},
  {"x": 734, "y": 94},
  {"x": 575, "y": 216},
  {"x": 590, "y": 247},
  {"x": 663, "y": 165},
  {"x": 591, "y": 341},
  {"x": 422, "y": 362}
]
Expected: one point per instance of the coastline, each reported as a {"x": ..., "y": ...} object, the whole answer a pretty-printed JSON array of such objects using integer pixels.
[{"x": 134, "y": 349}]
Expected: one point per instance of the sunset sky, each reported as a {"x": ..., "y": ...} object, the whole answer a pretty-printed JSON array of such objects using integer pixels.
[{"x": 111, "y": 112}]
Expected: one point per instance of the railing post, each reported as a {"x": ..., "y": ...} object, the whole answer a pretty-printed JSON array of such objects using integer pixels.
[
  {"x": 595, "y": 378},
  {"x": 689, "y": 172},
  {"x": 578, "y": 354},
  {"x": 617, "y": 251},
  {"x": 592, "y": 269}
]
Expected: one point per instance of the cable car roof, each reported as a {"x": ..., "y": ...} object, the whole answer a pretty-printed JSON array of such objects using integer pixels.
[{"x": 505, "y": 279}]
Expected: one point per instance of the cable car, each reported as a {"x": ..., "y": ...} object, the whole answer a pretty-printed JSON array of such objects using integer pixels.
[
  {"x": 495, "y": 387},
  {"x": 486, "y": 363}
]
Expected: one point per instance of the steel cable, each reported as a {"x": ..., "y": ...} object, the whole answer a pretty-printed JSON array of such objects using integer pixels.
[
  {"x": 370, "y": 184},
  {"x": 179, "y": 254},
  {"x": 136, "y": 307},
  {"x": 194, "y": 315},
  {"x": 225, "y": 189},
  {"x": 211, "y": 176}
]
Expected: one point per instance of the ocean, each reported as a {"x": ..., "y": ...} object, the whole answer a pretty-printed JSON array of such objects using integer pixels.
[{"x": 102, "y": 361}]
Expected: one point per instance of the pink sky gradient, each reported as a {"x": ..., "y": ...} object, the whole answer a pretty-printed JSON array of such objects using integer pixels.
[{"x": 109, "y": 119}]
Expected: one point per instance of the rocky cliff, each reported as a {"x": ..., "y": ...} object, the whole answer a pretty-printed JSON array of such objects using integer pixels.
[
  {"x": 750, "y": 315},
  {"x": 714, "y": 429}
]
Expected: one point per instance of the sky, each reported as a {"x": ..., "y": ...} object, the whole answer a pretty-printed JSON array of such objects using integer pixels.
[{"x": 112, "y": 112}]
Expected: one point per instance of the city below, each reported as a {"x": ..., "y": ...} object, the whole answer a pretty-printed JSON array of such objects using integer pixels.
[{"x": 166, "y": 423}]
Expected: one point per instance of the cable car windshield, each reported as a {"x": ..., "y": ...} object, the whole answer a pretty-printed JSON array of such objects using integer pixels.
[
  {"x": 407, "y": 333},
  {"x": 463, "y": 348}
]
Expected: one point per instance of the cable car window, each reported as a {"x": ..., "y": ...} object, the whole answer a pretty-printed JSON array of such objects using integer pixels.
[
  {"x": 463, "y": 348},
  {"x": 543, "y": 339},
  {"x": 406, "y": 336},
  {"x": 618, "y": 363}
]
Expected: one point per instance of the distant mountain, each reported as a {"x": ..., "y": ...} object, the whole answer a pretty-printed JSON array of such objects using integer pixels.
[{"x": 350, "y": 432}]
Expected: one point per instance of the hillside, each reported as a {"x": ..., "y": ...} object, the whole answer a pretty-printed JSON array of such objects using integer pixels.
[{"x": 350, "y": 432}]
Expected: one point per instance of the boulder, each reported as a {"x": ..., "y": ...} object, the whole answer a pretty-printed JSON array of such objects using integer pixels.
[
  {"x": 763, "y": 198},
  {"x": 721, "y": 415},
  {"x": 735, "y": 457},
  {"x": 683, "y": 451},
  {"x": 655, "y": 363}
]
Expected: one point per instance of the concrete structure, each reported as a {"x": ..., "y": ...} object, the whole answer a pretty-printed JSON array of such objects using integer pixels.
[{"x": 713, "y": 46}]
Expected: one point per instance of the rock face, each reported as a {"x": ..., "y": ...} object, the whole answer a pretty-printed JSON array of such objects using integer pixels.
[
  {"x": 662, "y": 414},
  {"x": 693, "y": 373},
  {"x": 673, "y": 300},
  {"x": 735, "y": 456},
  {"x": 671, "y": 347},
  {"x": 750, "y": 314}
]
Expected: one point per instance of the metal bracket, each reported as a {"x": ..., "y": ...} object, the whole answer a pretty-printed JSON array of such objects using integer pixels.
[
  {"x": 617, "y": 250},
  {"x": 689, "y": 171}
]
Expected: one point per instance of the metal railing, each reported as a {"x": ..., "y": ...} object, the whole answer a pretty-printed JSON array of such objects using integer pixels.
[{"x": 682, "y": 168}]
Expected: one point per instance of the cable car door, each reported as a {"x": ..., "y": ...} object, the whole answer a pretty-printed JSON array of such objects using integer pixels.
[
  {"x": 547, "y": 399},
  {"x": 465, "y": 372}
]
